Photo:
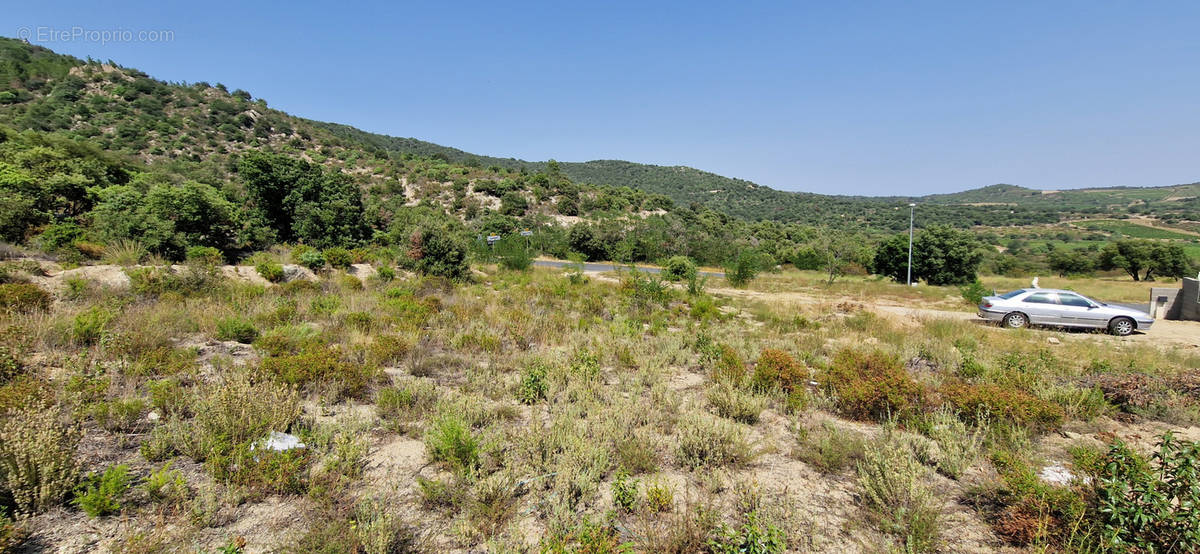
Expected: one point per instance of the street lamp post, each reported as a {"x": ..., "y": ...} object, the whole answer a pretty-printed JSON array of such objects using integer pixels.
[{"x": 911, "y": 208}]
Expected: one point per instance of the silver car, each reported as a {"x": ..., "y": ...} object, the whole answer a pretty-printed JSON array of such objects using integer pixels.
[{"x": 1061, "y": 308}]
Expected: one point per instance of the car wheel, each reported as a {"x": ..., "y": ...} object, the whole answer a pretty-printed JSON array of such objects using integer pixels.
[
  {"x": 1121, "y": 326},
  {"x": 1016, "y": 320}
]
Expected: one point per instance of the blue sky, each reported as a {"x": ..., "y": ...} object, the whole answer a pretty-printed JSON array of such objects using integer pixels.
[{"x": 835, "y": 97}]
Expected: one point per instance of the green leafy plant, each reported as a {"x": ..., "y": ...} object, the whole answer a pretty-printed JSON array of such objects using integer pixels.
[
  {"x": 973, "y": 292},
  {"x": 312, "y": 259},
  {"x": 237, "y": 329},
  {"x": 679, "y": 268},
  {"x": 1150, "y": 506},
  {"x": 338, "y": 258},
  {"x": 100, "y": 494},
  {"x": 533, "y": 384},
  {"x": 743, "y": 268},
  {"x": 753, "y": 537},
  {"x": 449, "y": 439},
  {"x": 269, "y": 270},
  {"x": 625, "y": 492}
]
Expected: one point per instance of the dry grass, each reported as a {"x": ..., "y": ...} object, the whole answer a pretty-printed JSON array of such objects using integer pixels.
[{"x": 522, "y": 396}]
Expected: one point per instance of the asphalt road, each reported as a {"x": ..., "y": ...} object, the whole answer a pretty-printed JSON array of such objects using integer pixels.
[{"x": 613, "y": 267}]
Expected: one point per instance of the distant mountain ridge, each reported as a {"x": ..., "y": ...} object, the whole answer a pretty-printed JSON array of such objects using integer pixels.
[
  {"x": 749, "y": 200},
  {"x": 181, "y": 125}
]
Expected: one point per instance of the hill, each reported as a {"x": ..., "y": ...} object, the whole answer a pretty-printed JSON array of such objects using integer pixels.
[{"x": 168, "y": 145}]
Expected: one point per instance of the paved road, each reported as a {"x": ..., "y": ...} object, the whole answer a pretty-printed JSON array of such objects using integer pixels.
[{"x": 614, "y": 267}]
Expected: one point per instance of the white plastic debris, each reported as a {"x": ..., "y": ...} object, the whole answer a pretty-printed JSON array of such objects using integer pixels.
[
  {"x": 152, "y": 416},
  {"x": 280, "y": 442},
  {"x": 1056, "y": 474}
]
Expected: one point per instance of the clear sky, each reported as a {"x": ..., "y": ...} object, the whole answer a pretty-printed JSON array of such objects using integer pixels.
[{"x": 835, "y": 97}]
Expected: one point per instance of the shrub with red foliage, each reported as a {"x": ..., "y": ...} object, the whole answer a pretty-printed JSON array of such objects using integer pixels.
[
  {"x": 871, "y": 386},
  {"x": 778, "y": 368}
]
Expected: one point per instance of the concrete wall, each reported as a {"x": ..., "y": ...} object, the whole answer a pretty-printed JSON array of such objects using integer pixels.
[
  {"x": 1189, "y": 300},
  {"x": 1180, "y": 303}
]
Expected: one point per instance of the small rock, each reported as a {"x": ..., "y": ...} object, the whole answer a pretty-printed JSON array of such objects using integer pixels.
[
  {"x": 1053, "y": 340},
  {"x": 152, "y": 416}
]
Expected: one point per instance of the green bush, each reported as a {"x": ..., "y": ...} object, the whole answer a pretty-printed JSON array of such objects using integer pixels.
[
  {"x": 1150, "y": 506},
  {"x": 10, "y": 364},
  {"x": 339, "y": 258},
  {"x": 89, "y": 325},
  {"x": 977, "y": 403},
  {"x": 729, "y": 365},
  {"x": 625, "y": 492},
  {"x": 401, "y": 406},
  {"x": 100, "y": 495},
  {"x": 743, "y": 268},
  {"x": 730, "y": 401},
  {"x": 829, "y": 448},
  {"x": 533, "y": 384},
  {"x": 205, "y": 255},
  {"x": 438, "y": 253},
  {"x": 239, "y": 410},
  {"x": 679, "y": 268},
  {"x": 236, "y": 328},
  {"x": 386, "y": 273},
  {"x": 312, "y": 259},
  {"x": 23, "y": 298},
  {"x": 514, "y": 253},
  {"x": 449, "y": 439},
  {"x": 973, "y": 292},
  {"x": 320, "y": 367},
  {"x": 753, "y": 537},
  {"x": 269, "y": 270}
]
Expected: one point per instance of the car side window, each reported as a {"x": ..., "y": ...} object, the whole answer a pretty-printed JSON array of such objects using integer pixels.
[
  {"x": 1042, "y": 298},
  {"x": 1074, "y": 300}
]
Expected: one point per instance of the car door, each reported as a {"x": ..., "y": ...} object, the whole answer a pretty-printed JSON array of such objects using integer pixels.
[
  {"x": 1078, "y": 311},
  {"x": 1042, "y": 308}
]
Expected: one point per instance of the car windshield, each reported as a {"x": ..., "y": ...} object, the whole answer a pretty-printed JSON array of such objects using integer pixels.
[{"x": 1010, "y": 295}]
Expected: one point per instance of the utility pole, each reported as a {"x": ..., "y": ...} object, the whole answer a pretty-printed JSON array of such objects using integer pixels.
[{"x": 911, "y": 208}]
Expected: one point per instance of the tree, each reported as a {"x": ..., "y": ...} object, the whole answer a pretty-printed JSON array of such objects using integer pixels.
[
  {"x": 941, "y": 256},
  {"x": 743, "y": 268},
  {"x": 1143, "y": 259},
  {"x": 891, "y": 259},
  {"x": 438, "y": 252},
  {"x": 584, "y": 239},
  {"x": 300, "y": 201},
  {"x": 834, "y": 250},
  {"x": 947, "y": 256},
  {"x": 1071, "y": 262}
]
